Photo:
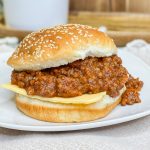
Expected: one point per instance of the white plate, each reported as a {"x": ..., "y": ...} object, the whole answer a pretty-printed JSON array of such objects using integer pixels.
[{"x": 12, "y": 118}]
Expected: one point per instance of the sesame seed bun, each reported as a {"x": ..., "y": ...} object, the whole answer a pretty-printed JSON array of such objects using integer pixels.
[
  {"x": 54, "y": 112},
  {"x": 53, "y": 47}
]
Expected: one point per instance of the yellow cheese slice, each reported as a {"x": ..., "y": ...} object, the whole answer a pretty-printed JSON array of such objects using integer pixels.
[{"x": 83, "y": 99}]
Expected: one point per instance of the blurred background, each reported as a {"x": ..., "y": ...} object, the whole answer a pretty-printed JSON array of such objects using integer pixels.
[
  {"x": 123, "y": 20},
  {"x": 111, "y": 5}
]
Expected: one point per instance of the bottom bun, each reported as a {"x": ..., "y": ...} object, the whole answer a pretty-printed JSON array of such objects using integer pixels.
[{"x": 54, "y": 112}]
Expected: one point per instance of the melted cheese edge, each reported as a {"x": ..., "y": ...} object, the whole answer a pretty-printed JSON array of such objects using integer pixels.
[{"x": 83, "y": 99}]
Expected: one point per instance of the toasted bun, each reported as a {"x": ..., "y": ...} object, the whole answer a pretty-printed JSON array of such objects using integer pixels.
[
  {"x": 53, "y": 112},
  {"x": 53, "y": 47}
]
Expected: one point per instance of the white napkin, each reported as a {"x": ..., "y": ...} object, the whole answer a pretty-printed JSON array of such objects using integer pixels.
[
  {"x": 140, "y": 48},
  {"x": 126, "y": 136},
  {"x": 8, "y": 44}
]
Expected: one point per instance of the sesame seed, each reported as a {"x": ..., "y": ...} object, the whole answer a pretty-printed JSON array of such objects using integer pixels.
[
  {"x": 58, "y": 37},
  {"x": 71, "y": 33},
  {"x": 67, "y": 43}
]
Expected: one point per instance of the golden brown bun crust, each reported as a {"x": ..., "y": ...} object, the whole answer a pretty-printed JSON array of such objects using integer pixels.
[
  {"x": 63, "y": 113},
  {"x": 60, "y": 45}
]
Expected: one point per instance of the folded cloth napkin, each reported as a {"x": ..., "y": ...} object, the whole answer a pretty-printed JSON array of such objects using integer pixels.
[
  {"x": 126, "y": 136},
  {"x": 8, "y": 44}
]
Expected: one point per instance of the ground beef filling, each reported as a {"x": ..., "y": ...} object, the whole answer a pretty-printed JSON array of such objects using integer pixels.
[
  {"x": 131, "y": 95},
  {"x": 91, "y": 75}
]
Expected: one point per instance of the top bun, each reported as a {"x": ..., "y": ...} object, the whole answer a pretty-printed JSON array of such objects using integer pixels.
[{"x": 53, "y": 47}]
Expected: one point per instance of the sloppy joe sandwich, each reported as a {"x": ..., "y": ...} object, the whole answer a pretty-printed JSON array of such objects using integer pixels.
[{"x": 70, "y": 73}]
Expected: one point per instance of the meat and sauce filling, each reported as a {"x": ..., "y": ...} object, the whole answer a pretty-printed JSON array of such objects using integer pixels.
[
  {"x": 91, "y": 75},
  {"x": 131, "y": 95}
]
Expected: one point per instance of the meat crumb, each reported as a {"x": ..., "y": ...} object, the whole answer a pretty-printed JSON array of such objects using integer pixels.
[{"x": 131, "y": 95}]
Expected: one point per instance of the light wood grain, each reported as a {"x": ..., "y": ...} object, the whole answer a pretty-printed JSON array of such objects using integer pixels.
[
  {"x": 110, "y": 5},
  {"x": 138, "y": 6},
  {"x": 117, "y": 5},
  {"x": 113, "y": 21},
  {"x": 4, "y": 31},
  {"x": 89, "y": 5},
  {"x": 121, "y": 38},
  {"x": 122, "y": 27}
]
